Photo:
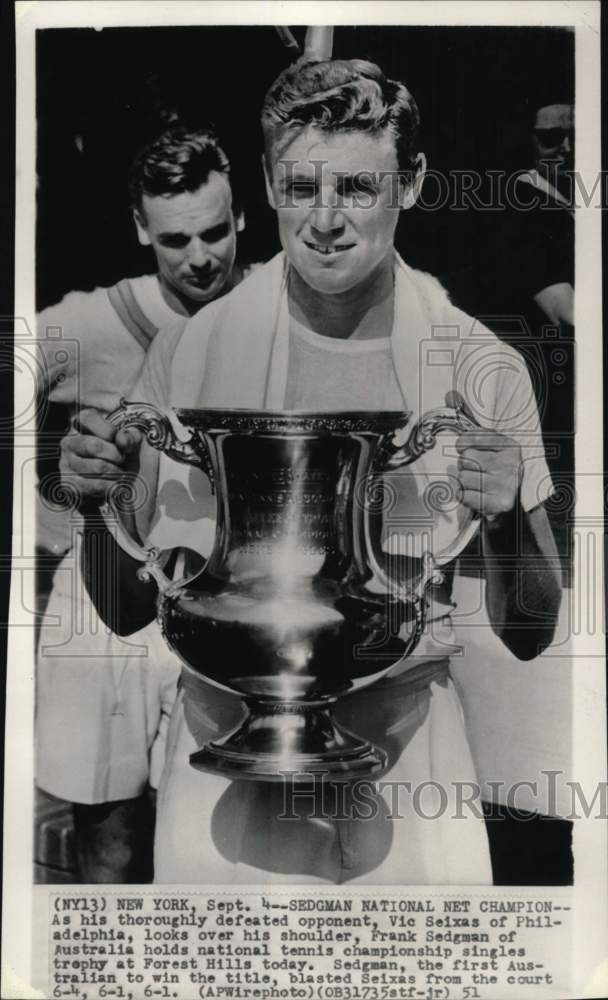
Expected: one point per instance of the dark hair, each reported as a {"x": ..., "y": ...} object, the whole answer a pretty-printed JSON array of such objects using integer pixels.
[
  {"x": 180, "y": 159},
  {"x": 349, "y": 95}
]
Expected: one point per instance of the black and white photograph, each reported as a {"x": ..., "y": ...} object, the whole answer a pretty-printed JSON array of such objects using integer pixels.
[{"x": 309, "y": 498}]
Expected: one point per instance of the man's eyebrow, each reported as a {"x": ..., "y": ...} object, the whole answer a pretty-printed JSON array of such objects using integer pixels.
[
  {"x": 215, "y": 225},
  {"x": 360, "y": 179},
  {"x": 219, "y": 227},
  {"x": 340, "y": 175},
  {"x": 173, "y": 233}
]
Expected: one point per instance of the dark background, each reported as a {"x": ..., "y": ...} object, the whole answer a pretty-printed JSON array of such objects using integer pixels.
[{"x": 101, "y": 95}]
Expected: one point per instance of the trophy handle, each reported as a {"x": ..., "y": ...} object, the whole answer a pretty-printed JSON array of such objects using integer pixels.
[
  {"x": 414, "y": 597},
  {"x": 150, "y": 556},
  {"x": 430, "y": 574},
  {"x": 455, "y": 416},
  {"x": 159, "y": 433}
]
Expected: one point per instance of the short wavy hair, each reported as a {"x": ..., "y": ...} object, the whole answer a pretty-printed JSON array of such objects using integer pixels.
[
  {"x": 340, "y": 95},
  {"x": 179, "y": 160}
]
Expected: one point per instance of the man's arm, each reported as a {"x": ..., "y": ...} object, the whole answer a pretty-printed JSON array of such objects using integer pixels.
[
  {"x": 557, "y": 302},
  {"x": 94, "y": 457},
  {"x": 523, "y": 576},
  {"x": 523, "y": 580},
  {"x": 123, "y": 602}
]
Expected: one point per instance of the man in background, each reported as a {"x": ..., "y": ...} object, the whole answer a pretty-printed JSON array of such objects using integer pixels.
[
  {"x": 101, "y": 702},
  {"x": 537, "y": 243},
  {"x": 527, "y": 281}
]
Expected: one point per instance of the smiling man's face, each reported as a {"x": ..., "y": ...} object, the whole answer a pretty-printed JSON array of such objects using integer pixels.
[{"x": 337, "y": 202}]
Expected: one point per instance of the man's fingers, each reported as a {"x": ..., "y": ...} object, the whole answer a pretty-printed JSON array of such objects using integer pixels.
[
  {"x": 484, "y": 441},
  {"x": 93, "y": 422},
  {"x": 472, "y": 480},
  {"x": 468, "y": 462},
  {"x": 85, "y": 446},
  {"x": 93, "y": 454},
  {"x": 128, "y": 440},
  {"x": 94, "y": 468},
  {"x": 490, "y": 462},
  {"x": 474, "y": 500}
]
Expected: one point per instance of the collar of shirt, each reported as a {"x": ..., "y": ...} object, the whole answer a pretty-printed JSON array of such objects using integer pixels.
[{"x": 533, "y": 177}]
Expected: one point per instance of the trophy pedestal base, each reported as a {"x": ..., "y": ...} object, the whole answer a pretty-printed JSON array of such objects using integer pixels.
[{"x": 300, "y": 743}]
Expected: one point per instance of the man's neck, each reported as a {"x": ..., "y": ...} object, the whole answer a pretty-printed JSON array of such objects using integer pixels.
[
  {"x": 361, "y": 313},
  {"x": 184, "y": 306}
]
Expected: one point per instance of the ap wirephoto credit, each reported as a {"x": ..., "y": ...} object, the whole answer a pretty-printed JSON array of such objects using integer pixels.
[{"x": 306, "y": 687}]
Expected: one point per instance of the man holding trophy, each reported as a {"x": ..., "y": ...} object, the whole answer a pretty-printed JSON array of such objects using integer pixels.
[{"x": 333, "y": 327}]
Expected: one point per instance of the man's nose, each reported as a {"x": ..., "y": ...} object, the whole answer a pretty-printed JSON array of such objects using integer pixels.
[
  {"x": 198, "y": 254},
  {"x": 326, "y": 219}
]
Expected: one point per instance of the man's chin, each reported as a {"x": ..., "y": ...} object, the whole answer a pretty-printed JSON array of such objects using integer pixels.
[
  {"x": 330, "y": 282},
  {"x": 202, "y": 295}
]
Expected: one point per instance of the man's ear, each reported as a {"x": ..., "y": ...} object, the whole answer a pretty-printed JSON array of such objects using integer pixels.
[
  {"x": 239, "y": 221},
  {"x": 268, "y": 180},
  {"x": 409, "y": 194},
  {"x": 142, "y": 232}
]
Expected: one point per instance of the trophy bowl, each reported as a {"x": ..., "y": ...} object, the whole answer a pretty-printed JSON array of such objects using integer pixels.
[{"x": 294, "y": 608}]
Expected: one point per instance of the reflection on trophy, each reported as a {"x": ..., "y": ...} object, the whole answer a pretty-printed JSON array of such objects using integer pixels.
[{"x": 294, "y": 607}]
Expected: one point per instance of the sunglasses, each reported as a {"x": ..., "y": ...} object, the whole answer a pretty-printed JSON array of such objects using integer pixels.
[{"x": 554, "y": 136}]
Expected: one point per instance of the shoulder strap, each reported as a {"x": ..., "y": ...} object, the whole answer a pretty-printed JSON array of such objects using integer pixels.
[{"x": 130, "y": 313}]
